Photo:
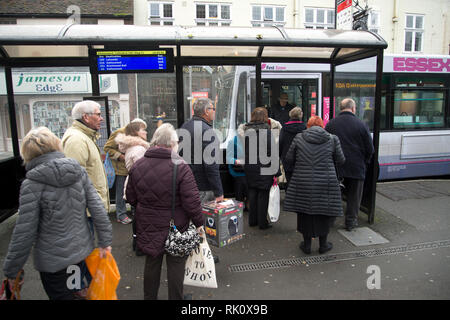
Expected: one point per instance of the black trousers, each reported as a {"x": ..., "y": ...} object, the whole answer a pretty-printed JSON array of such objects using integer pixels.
[
  {"x": 259, "y": 202},
  {"x": 240, "y": 188},
  {"x": 175, "y": 276},
  {"x": 353, "y": 192},
  {"x": 55, "y": 284}
]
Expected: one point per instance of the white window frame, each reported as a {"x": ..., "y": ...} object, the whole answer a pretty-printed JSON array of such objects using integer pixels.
[
  {"x": 266, "y": 21},
  {"x": 414, "y": 31},
  {"x": 375, "y": 28},
  {"x": 160, "y": 19},
  {"x": 319, "y": 25},
  {"x": 213, "y": 21}
]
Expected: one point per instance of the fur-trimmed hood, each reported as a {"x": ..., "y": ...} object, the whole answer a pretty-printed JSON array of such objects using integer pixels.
[{"x": 125, "y": 142}]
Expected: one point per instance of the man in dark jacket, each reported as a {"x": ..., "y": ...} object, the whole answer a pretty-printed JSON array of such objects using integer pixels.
[
  {"x": 204, "y": 164},
  {"x": 280, "y": 111},
  {"x": 287, "y": 134},
  {"x": 358, "y": 148}
]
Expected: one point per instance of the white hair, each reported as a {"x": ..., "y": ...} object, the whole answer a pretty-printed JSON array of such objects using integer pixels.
[
  {"x": 165, "y": 136},
  {"x": 139, "y": 120},
  {"x": 84, "y": 107}
]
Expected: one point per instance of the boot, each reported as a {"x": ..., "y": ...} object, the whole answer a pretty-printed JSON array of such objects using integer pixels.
[
  {"x": 305, "y": 245},
  {"x": 325, "y": 246}
]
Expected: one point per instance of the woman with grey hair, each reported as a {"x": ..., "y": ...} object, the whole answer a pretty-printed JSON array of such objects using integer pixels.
[
  {"x": 52, "y": 216},
  {"x": 149, "y": 189},
  {"x": 290, "y": 129}
]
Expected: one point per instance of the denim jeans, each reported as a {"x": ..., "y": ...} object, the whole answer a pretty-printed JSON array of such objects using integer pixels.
[{"x": 121, "y": 207}]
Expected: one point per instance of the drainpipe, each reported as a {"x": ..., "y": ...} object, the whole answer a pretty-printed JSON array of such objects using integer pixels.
[
  {"x": 395, "y": 24},
  {"x": 295, "y": 13}
]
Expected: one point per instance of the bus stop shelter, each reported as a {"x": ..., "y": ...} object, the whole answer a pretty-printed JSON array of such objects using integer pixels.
[{"x": 28, "y": 46}]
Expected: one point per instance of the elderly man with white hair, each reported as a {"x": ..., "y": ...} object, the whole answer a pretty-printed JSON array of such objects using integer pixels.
[{"x": 80, "y": 143}]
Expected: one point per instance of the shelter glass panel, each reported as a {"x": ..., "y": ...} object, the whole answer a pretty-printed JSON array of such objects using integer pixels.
[
  {"x": 46, "y": 51},
  {"x": 156, "y": 99},
  {"x": 6, "y": 149},
  {"x": 46, "y": 96},
  {"x": 230, "y": 89},
  {"x": 219, "y": 51},
  {"x": 361, "y": 88},
  {"x": 297, "y": 52}
]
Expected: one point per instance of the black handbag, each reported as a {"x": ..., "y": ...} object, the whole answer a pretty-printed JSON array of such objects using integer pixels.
[{"x": 180, "y": 244}]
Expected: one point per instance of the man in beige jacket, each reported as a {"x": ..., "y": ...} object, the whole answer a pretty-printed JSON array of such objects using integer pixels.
[{"x": 80, "y": 143}]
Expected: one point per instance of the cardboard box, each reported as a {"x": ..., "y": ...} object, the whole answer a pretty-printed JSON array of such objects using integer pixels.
[{"x": 224, "y": 222}]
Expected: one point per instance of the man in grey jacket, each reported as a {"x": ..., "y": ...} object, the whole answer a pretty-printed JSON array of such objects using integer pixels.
[{"x": 52, "y": 216}]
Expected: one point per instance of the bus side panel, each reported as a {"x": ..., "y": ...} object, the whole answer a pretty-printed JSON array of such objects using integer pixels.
[{"x": 419, "y": 154}]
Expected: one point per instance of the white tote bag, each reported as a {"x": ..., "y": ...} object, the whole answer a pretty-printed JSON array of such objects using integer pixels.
[
  {"x": 274, "y": 202},
  {"x": 200, "y": 270}
]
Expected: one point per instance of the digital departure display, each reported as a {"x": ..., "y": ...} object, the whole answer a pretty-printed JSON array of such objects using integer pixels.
[{"x": 133, "y": 61}]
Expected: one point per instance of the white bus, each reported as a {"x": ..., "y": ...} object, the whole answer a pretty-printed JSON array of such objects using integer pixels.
[{"x": 415, "y": 111}]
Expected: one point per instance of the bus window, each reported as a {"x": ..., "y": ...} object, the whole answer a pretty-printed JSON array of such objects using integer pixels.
[
  {"x": 418, "y": 109},
  {"x": 241, "y": 105},
  {"x": 215, "y": 83},
  {"x": 224, "y": 102}
]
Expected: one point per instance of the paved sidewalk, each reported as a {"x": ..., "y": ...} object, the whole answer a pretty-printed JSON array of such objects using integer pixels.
[{"x": 413, "y": 216}]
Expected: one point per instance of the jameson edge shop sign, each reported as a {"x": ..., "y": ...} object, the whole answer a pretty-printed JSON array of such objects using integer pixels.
[{"x": 58, "y": 83}]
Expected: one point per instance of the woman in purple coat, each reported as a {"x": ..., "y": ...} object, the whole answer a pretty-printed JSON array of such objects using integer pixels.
[{"x": 149, "y": 189}]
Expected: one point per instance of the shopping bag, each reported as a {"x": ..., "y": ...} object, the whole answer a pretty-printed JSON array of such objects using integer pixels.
[
  {"x": 109, "y": 170},
  {"x": 200, "y": 270},
  {"x": 105, "y": 276},
  {"x": 8, "y": 292},
  {"x": 274, "y": 202}
]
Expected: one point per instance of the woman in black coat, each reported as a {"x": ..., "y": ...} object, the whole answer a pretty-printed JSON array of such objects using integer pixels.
[
  {"x": 258, "y": 171},
  {"x": 313, "y": 191}
]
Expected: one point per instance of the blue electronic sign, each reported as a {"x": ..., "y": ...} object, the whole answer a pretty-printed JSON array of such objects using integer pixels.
[{"x": 131, "y": 61}]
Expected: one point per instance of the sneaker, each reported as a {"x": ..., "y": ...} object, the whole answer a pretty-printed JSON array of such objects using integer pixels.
[{"x": 125, "y": 220}]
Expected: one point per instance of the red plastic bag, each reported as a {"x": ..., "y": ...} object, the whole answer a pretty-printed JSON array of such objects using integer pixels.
[{"x": 105, "y": 276}]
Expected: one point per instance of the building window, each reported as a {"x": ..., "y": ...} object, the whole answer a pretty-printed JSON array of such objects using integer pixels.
[
  {"x": 209, "y": 14},
  {"x": 267, "y": 16},
  {"x": 161, "y": 13},
  {"x": 319, "y": 18},
  {"x": 373, "y": 21},
  {"x": 414, "y": 33}
]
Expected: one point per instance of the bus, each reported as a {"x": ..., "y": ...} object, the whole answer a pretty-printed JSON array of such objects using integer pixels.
[{"x": 415, "y": 108}]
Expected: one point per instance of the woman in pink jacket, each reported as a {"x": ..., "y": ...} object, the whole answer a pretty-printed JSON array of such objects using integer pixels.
[{"x": 133, "y": 144}]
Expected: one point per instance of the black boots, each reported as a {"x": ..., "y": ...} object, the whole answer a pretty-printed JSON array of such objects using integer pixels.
[
  {"x": 305, "y": 245},
  {"x": 324, "y": 246}
]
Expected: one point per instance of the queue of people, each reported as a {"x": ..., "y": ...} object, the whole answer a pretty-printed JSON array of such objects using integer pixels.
[{"x": 66, "y": 187}]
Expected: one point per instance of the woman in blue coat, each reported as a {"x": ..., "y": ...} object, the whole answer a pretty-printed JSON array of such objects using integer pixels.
[{"x": 235, "y": 161}]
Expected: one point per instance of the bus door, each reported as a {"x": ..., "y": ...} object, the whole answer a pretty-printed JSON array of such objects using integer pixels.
[{"x": 303, "y": 91}]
